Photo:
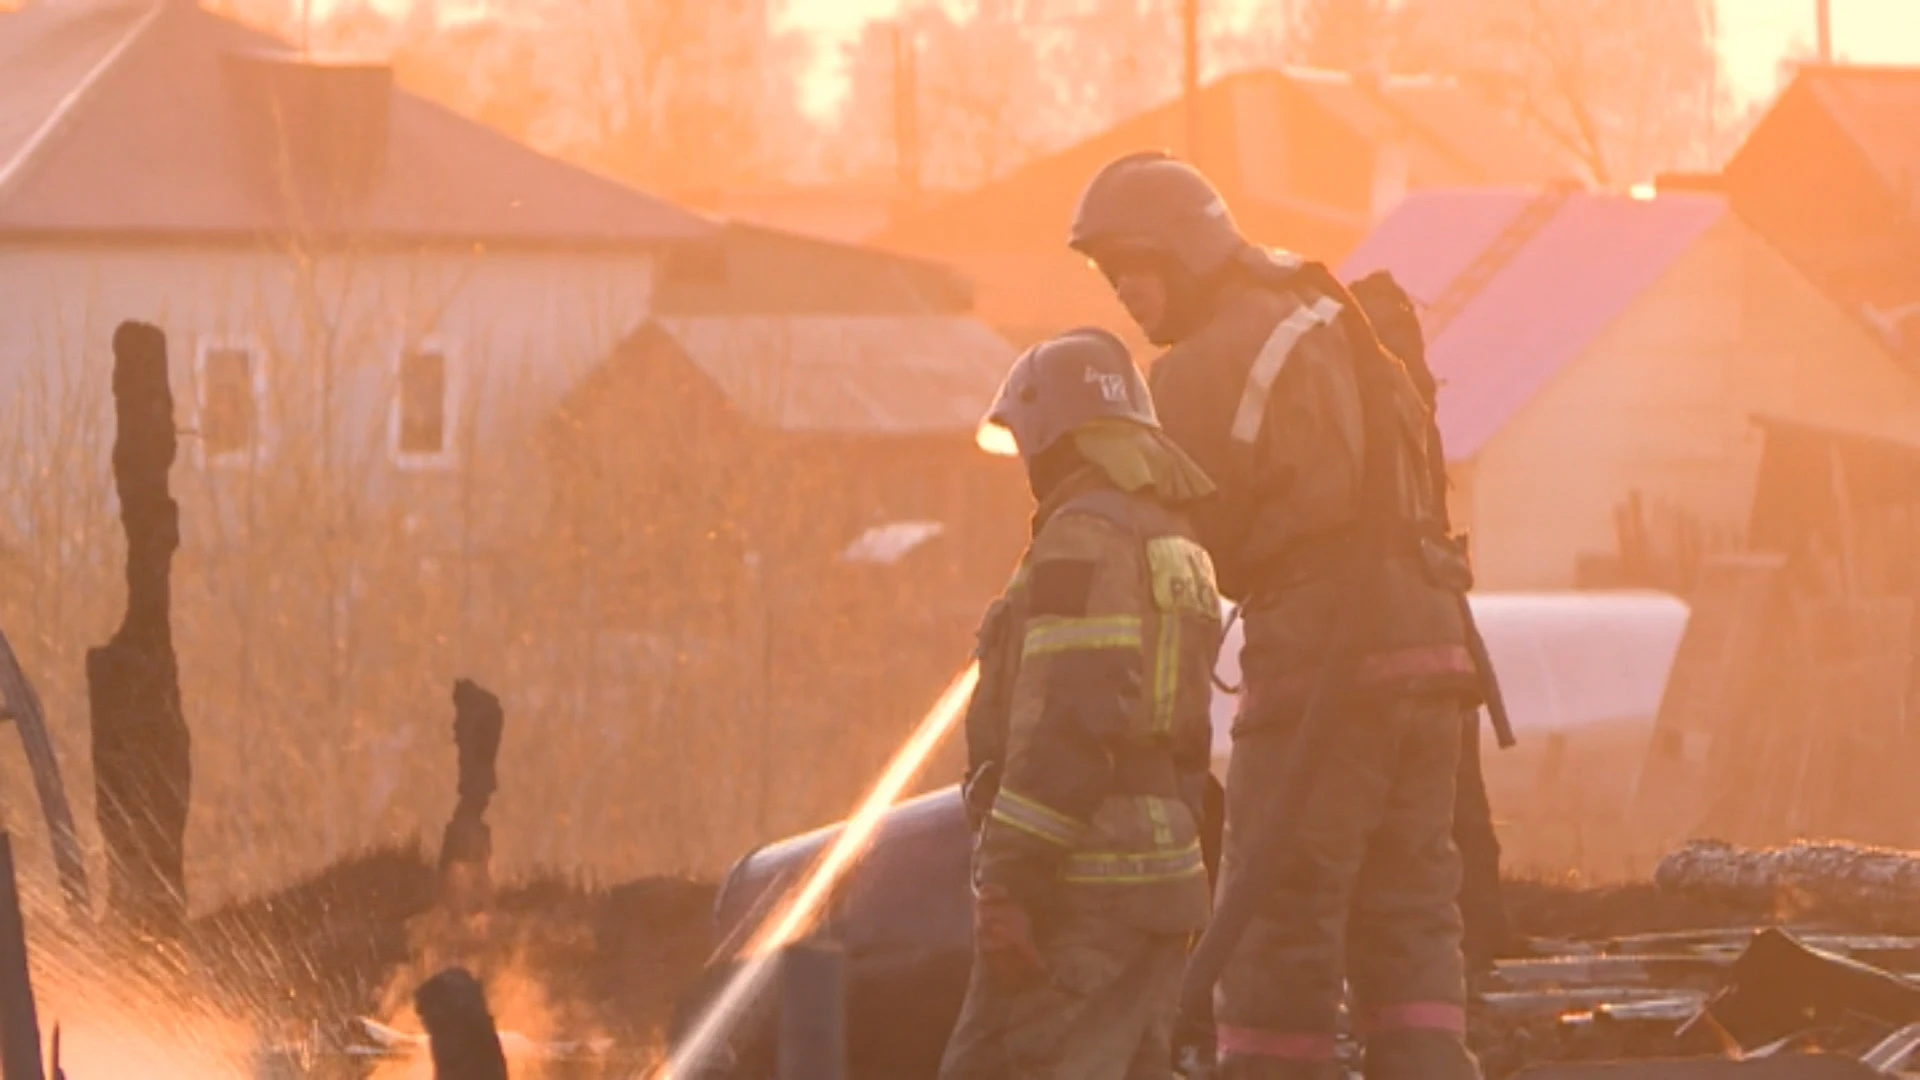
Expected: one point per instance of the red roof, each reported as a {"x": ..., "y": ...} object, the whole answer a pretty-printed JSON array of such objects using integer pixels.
[
  {"x": 1581, "y": 270},
  {"x": 126, "y": 120}
]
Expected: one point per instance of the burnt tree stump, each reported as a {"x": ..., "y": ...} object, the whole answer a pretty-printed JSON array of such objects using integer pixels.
[
  {"x": 142, "y": 764},
  {"x": 466, "y": 848},
  {"x": 460, "y": 1030}
]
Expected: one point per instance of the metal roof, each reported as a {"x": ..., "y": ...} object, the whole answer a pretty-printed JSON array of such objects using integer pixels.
[
  {"x": 1879, "y": 109},
  {"x": 1577, "y": 274},
  {"x": 852, "y": 375},
  {"x": 48, "y": 53},
  {"x": 121, "y": 120}
]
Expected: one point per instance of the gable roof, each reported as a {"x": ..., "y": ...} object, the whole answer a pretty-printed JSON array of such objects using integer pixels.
[
  {"x": 858, "y": 375},
  {"x": 1831, "y": 177},
  {"x": 1879, "y": 110},
  {"x": 754, "y": 270},
  {"x": 121, "y": 120},
  {"x": 1452, "y": 137},
  {"x": 1582, "y": 268}
]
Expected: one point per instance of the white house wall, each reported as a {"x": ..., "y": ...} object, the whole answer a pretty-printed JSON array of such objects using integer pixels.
[{"x": 519, "y": 328}]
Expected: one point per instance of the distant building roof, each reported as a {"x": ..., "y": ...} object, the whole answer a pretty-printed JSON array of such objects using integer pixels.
[
  {"x": 750, "y": 270},
  {"x": 161, "y": 119},
  {"x": 1306, "y": 159},
  {"x": 847, "y": 212},
  {"x": 1577, "y": 273},
  {"x": 1831, "y": 177},
  {"x": 1879, "y": 108},
  {"x": 1452, "y": 138},
  {"x": 856, "y": 375}
]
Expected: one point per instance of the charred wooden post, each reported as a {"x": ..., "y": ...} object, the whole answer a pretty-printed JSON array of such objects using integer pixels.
[
  {"x": 460, "y": 1030},
  {"x": 813, "y": 1012},
  {"x": 142, "y": 765},
  {"x": 466, "y": 848},
  {"x": 19, "y": 1023}
]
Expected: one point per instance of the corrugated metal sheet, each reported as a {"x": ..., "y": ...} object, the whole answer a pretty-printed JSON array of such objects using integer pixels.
[
  {"x": 1578, "y": 274},
  {"x": 850, "y": 375},
  {"x": 155, "y": 145}
]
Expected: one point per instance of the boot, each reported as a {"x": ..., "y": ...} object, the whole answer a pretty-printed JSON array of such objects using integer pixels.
[{"x": 1419, "y": 1055}]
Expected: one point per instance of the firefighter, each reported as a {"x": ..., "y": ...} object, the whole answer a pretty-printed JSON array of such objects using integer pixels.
[
  {"x": 1339, "y": 873},
  {"x": 1483, "y": 908},
  {"x": 1088, "y": 736}
]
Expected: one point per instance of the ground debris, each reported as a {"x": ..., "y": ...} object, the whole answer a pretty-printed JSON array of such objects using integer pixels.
[{"x": 1864, "y": 882}]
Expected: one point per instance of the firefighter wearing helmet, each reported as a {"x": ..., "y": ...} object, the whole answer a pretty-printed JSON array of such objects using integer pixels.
[
  {"x": 1339, "y": 870},
  {"x": 1088, "y": 735}
]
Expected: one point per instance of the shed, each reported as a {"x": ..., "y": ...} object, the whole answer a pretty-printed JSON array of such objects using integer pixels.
[
  {"x": 1600, "y": 357},
  {"x": 1307, "y": 159},
  {"x": 791, "y": 490}
]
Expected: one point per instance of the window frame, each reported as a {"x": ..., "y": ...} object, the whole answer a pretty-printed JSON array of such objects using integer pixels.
[
  {"x": 451, "y": 397},
  {"x": 256, "y": 353}
]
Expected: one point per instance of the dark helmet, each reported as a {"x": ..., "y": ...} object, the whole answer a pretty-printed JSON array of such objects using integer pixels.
[
  {"x": 1061, "y": 384},
  {"x": 1153, "y": 203}
]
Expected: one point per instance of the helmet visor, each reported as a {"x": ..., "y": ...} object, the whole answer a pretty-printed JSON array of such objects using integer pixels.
[{"x": 996, "y": 439}]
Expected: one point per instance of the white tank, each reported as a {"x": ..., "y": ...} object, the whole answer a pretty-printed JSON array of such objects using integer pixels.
[{"x": 1566, "y": 660}]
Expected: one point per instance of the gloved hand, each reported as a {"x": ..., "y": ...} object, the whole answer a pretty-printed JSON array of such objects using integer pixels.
[
  {"x": 977, "y": 793},
  {"x": 1003, "y": 938},
  {"x": 1193, "y": 1047}
]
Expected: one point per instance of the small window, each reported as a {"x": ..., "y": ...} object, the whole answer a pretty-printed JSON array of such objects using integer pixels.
[
  {"x": 229, "y": 402},
  {"x": 423, "y": 402},
  {"x": 424, "y": 398}
]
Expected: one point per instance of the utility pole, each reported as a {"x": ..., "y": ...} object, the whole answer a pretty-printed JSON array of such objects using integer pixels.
[
  {"x": 1190, "y": 75},
  {"x": 1823, "y": 22},
  {"x": 906, "y": 114}
]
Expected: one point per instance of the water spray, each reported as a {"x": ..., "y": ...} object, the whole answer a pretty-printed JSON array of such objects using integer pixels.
[{"x": 800, "y": 908}]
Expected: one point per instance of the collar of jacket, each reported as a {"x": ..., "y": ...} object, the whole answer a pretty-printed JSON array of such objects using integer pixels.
[{"x": 1129, "y": 458}]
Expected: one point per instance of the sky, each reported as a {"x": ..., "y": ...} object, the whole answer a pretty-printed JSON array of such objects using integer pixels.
[{"x": 1754, "y": 36}]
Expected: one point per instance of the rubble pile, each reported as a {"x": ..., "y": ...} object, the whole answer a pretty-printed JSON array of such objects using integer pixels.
[{"x": 1729, "y": 952}]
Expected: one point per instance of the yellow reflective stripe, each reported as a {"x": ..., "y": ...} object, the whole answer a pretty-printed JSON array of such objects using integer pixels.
[
  {"x": 1036, "y": 819},
  {"x": 1157, "y": 815},
  {"x": 1055, "y": 633},
  {"x": 1272, "y": 359},
  {"x": 1134, "y": 868},
  {"x": 1166, "y": 673}
]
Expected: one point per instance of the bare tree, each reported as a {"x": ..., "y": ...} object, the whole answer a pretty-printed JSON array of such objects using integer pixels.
[{"x": 1626, "y": 87}]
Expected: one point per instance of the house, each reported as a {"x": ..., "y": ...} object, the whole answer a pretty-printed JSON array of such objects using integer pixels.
[
  {"x": 776, "y": 473},
  {"x": 1601, "y": 359},
  {"x": 1831, "y": 176},
  {"x": 312, "y": 239},
  {"x": 1308, "y": 160}
]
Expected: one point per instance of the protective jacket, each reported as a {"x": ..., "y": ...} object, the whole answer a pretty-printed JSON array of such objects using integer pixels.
[
  {"x": 1318, "y": 443},
  {"x": 1094, "y": 704}
]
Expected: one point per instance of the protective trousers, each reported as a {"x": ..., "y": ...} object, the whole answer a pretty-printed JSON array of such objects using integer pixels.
[
  {"x": 1483, "y": 908},
  {"x": 1364, "y": 894},
  {"x": 1103, "y": 1010}
]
